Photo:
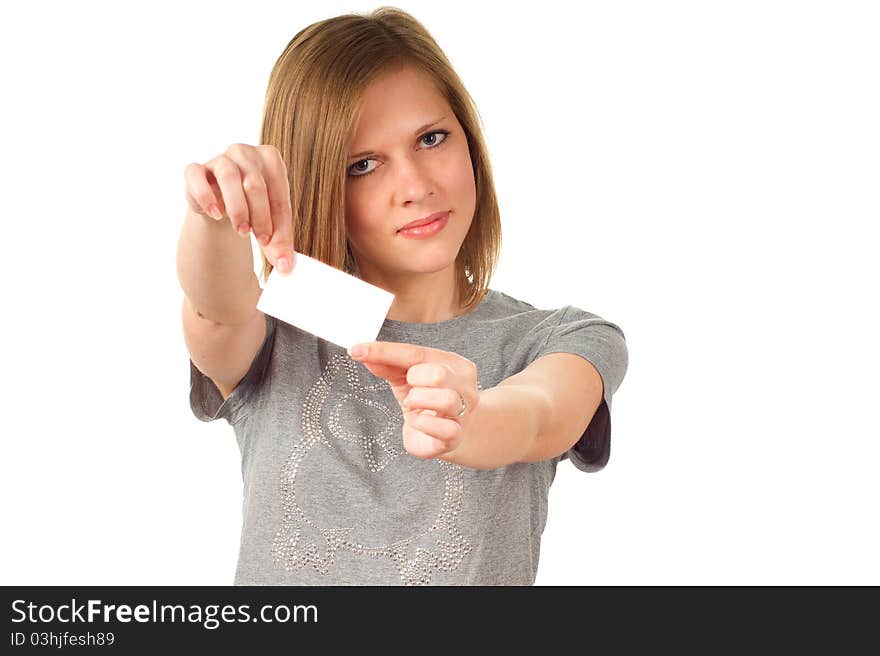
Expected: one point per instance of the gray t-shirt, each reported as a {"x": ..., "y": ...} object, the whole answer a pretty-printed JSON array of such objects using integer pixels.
[{"x": 331, "y": 497}]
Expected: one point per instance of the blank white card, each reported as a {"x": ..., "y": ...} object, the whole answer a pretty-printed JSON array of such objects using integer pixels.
[{"x": 326, "y": 302}]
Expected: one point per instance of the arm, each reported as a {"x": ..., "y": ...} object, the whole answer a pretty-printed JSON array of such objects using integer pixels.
[
  {"x": 215, "y": 268},
  {"x": 504, "y": 427},
  {"x": 535, "y": 415},
  {"x": 222, "y": 327}
]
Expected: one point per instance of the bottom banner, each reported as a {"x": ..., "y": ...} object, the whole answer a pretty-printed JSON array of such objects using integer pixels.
[{"x": 147, "y": 619}]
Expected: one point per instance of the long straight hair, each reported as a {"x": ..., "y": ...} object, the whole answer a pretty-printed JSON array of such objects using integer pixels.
[{"x": 313, "y": 99}]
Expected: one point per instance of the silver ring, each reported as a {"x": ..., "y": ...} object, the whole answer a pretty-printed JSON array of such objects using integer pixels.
[{"x": 463, "y": 408}]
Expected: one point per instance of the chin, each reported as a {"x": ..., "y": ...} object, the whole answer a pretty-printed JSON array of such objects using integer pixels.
[
  {"x": 432, "y": 262},
  {"x": 424, "y": 266}
]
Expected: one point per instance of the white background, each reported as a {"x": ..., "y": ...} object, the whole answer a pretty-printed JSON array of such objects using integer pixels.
[{"x": 703, "y": 174}]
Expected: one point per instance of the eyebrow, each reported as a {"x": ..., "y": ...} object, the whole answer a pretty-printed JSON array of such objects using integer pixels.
[{"x": 415, "y": 134}]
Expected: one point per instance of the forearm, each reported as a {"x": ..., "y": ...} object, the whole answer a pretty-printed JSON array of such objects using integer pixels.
[
  {"x": 215, "y": 268},
  {"x": 503, "y": 428}
]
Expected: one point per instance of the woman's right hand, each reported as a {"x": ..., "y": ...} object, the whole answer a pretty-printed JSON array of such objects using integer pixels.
[{"x": 248, "y": 184}]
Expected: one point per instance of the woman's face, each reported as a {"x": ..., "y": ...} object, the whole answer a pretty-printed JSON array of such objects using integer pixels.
[{"x": 409, "y": 173}]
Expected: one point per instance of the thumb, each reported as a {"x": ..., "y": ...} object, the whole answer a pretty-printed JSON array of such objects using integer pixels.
[{"x": 280, "y": 251}]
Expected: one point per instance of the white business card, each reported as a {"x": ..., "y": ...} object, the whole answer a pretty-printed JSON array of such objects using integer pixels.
[{"x": 326, "y": 302}]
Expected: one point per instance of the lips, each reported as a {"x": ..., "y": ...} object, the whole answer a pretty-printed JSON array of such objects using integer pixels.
[{"x": 426, "y": 220}]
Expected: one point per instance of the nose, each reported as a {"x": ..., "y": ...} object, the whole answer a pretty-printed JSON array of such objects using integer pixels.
[{"x": 413, "y": 181}]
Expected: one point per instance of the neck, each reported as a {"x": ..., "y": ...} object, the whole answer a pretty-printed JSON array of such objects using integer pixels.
[{"x": 420, "y": 298}]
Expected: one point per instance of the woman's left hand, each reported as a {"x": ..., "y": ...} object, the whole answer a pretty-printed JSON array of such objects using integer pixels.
[{"x": 429, "y": 384}]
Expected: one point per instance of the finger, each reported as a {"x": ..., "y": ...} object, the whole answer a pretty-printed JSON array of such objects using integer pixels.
[
  {"x": 278, "y": 242},
  {"x": 254, "y": 186},
  {"x": 422, "y": 445},
  {"x": 199, "y": 194},
  {"x": 227, "y": 176},
  {"x": 394, "y": 375},
  {"x": 441, "y": 428},
  {"x": 431, "y": 374},
  {"x": 444, "y": 401},
  {"x": 256, "y": 189},
  {"x": 407, "y": 356},
  {"x": 396, "y": 354}
]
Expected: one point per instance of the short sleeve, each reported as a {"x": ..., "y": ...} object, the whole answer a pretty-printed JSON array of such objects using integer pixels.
[
  {"x": 603, "y": 344},
  {"x": 207, "y": 402}
]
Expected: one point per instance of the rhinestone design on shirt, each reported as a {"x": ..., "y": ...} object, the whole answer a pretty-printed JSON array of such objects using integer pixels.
[{"x": 447, "y": 547}]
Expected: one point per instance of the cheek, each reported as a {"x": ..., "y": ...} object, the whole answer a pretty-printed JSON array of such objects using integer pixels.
[
  {"x": 363, "y": 226},
  {"x": 462, "y": 179},
  {"x": 356, "y": 212}
]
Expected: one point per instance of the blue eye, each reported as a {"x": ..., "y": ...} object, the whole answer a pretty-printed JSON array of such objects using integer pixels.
[{"x": 355, "y": 167}]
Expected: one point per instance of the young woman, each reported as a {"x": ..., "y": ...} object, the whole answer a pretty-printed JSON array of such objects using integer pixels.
[{"x": 427, "y": 459}]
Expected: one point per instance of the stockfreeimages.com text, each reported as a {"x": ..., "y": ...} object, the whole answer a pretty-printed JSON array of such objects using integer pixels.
[{"x": 210, "y": 616}]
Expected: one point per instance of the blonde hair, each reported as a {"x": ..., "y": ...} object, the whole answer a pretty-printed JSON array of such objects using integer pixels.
[{"x": 312, "y": 103}]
